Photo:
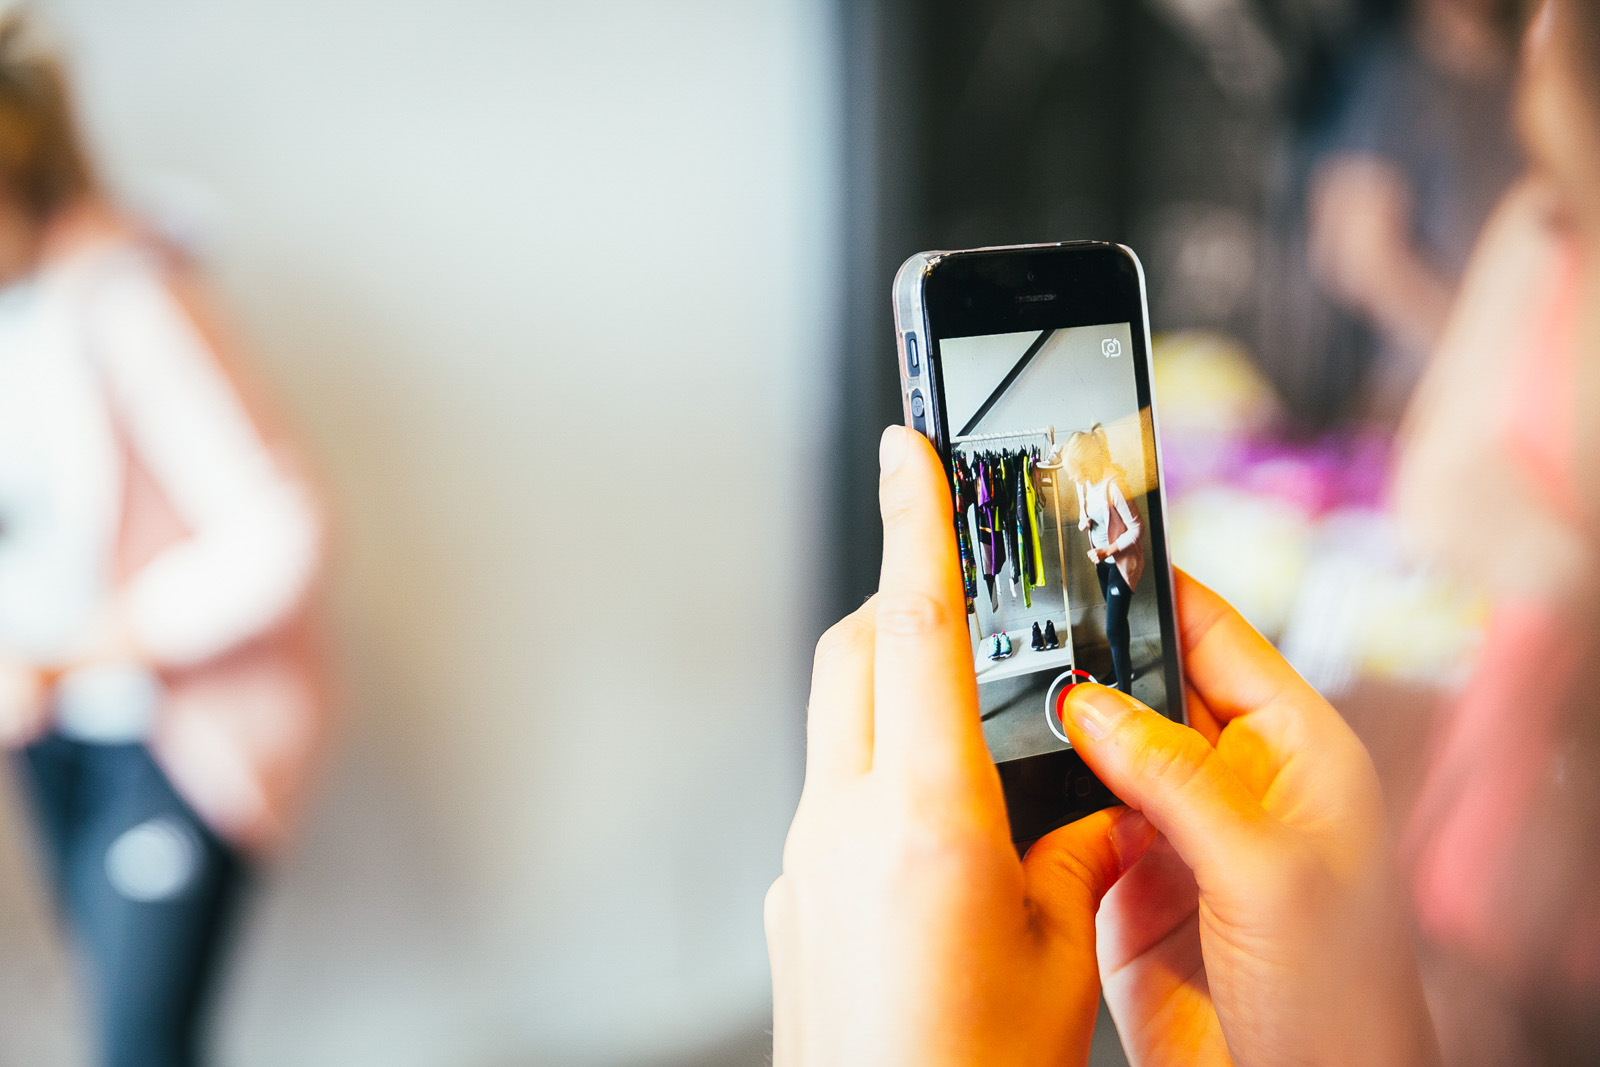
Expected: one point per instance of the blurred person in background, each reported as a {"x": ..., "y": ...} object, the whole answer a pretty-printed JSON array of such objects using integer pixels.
[
  {"x": 1498, "y": 480},
  {"x": 1113, "y": 526},
  {"x": 157, "y": 549},
  {"x": 1416, "y": 155},
  {"x": 1406, "y": 146}
]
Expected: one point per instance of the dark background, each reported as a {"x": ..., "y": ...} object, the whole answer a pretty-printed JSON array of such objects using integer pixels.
[{"x": 1013, "y": 121}]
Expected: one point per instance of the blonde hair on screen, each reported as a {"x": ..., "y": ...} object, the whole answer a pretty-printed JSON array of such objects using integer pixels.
[{"x": 1088, "y": 457}]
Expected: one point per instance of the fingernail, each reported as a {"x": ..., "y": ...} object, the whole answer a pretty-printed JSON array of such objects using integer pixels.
[
  {"x": 1094, "y": 708},
  {"x": 891, "y": 449}
]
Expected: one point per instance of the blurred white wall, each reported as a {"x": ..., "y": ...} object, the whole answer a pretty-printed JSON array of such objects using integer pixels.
[{"x": 544, "y": 288}]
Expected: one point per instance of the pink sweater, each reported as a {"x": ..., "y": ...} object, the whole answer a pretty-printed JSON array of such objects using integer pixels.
[{"x": 141, "y": 484}]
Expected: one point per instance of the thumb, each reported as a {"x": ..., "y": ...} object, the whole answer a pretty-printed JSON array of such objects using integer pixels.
[
  {"x": 1070, "y": 869},
  {"x": 1171, "y": 774}
]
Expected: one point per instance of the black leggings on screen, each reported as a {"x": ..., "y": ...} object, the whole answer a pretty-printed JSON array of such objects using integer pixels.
[{"x": 1118, "y": 599}]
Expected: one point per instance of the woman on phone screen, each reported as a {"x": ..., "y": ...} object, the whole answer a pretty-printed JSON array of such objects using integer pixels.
[{"x": 1113, "y": 526}]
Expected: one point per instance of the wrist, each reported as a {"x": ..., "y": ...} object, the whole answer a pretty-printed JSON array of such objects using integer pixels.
[
  {"x": 24, "y": 706},
  {"x": 107, "y": 639}
]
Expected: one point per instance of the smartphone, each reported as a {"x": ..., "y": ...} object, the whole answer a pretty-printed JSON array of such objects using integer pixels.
[{"x": 1028, "y": 367}]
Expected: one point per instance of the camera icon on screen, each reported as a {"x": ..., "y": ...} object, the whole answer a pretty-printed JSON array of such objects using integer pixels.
[{"x": 1111, "y": 348}]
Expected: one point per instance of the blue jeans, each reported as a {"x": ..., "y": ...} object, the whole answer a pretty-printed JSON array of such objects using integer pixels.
[{"x": 146, "y": 888}]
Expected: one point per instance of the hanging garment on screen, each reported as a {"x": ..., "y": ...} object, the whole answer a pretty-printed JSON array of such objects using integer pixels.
[
  {"x": 1022, "y": 523},
  {"x": 969, "y": 567},
  {"x": 1035, "y": 509},
  {"x": 991, "y": 542},
  {"x": 1007, "y": 498},
  {"x": 964, "y": 498},
  {"x": 1002, "y": 489},
  {"x": 990, "y": 528}
]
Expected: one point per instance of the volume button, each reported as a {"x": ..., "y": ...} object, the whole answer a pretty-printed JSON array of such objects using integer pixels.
[{"x": 919, "y": 411}]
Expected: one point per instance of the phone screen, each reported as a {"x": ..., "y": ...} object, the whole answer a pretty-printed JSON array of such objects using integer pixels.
[{"x": 1054, "y": 473}]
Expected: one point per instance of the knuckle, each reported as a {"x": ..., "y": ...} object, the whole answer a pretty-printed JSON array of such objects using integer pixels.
[
  {"x": 1065, "y": 866},
  {"x": 815, "y": 837},
  {"x": 931, "y": 859},
  {"x": 840, "y": 639},
  {"x": 776, "y": 907},
  {"x": 796, "y": 845},
  {"x": 925, "y": 846},
  {"x": 897, "y": 499},
  {"x": 799, "y": 846},
  {"x": 1170, "y": 760},
  {"x": 909, "y": 613}
]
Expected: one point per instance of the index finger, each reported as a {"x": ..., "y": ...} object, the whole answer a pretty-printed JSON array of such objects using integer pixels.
[
  {"x": 925, "y": 693},
  {"x": 1230, "y": 666}
]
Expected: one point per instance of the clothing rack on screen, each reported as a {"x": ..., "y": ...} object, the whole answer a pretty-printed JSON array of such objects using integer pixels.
[
  {"x": 1049, "y": 434},
  {"x": 1043, "y": 431}
]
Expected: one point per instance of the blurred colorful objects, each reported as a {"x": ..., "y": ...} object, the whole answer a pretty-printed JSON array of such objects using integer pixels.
[{"x": 1297, "y": 532}]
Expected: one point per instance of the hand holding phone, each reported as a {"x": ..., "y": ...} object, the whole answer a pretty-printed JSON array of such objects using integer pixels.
[
  {"x": 1028, "y": 369},
  {"x": 905, "y": 928},
  {"x": 1266, "y": 925}
]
